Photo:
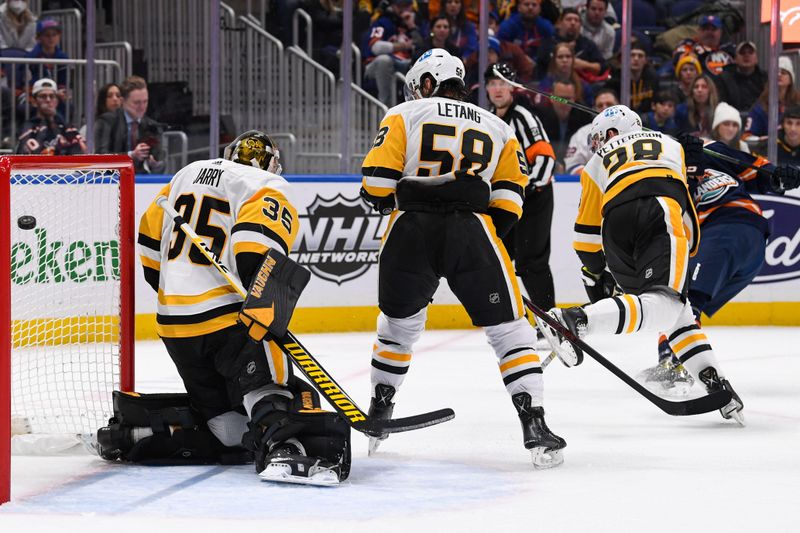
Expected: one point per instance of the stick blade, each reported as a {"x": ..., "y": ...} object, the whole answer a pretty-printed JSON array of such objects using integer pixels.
[
  {"x": 704, "y": 404},
  {"x": 409, "y": 423}
]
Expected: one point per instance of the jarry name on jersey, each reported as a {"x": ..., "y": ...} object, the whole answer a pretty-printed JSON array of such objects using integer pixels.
[{"x": 209, "y": 176}]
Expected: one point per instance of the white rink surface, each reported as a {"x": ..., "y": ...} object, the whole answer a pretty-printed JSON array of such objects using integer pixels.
[{"x": 628, "y": 466}]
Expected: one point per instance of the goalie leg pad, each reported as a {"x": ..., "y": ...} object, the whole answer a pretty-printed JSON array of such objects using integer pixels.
[
  {"x": 272, "y": 296},
  {"x": 162, "y": 429}
]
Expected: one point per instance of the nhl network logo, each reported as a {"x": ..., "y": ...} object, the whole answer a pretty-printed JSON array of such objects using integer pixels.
[{"x": 339, "y": 238}]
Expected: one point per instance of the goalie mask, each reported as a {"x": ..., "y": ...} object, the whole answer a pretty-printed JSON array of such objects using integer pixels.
[
  {"x": 254, "y": 148},
  {"x": 619, "y": 118},
  {"x": 436, "y": 64}
]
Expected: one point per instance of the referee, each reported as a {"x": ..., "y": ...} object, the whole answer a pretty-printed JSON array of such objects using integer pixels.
[{"x": 528, "y": 242}]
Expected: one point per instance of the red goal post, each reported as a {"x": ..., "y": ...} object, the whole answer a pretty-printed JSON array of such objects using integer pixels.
[{"x": 67, "y": 305}]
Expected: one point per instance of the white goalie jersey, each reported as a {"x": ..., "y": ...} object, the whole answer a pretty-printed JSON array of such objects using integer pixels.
[{"x": 240, "y": 212}]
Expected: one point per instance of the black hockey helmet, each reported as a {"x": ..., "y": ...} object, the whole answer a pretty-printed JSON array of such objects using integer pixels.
[
  {"x": 504, "y": 69},
  {"x": 254, "y": 148}
]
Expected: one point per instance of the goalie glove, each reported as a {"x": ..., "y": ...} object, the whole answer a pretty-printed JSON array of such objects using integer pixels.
[
  {"x": 785, "y": 178},
  {"x": 382, "y": 204},
  {"x": 272, "y": 296},
  {"x": 599, "y": 286}
]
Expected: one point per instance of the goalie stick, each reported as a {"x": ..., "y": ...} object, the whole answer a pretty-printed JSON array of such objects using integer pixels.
[
  {"x": 696, "y": 406},
  {"x": 308, "y": 364}
]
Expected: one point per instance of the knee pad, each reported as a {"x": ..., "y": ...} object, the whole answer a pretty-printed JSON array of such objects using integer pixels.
[
  {"x": 162, "y": 429},
  {"x": 403, "y": 331},
  {"x": 509, "y": 335},
  {"x": 661, "y": 309}
]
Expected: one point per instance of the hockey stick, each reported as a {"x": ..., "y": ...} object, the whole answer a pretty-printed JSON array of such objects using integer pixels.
[
  {"x": 594, "y": 112},
  {"x": 307, "y": 363},
  {"x": 696, "y": 406}
]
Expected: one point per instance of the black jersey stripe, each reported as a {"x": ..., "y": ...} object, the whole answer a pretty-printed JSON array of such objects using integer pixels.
[
  {"x": 382, "y": 172},
  {"x": 588, "y": 230},
  {"x": 169, "y": 320},
  {"x": 399, "y": 370},
  {"x": 149, "y": 242},
  {"x": 677, "y": 333},
  {"x": 263, "y": 230},
  {"x": 622, "y": 314},
  {"x": 694, "y": 351},
  {"x": 509, "y": 186}
]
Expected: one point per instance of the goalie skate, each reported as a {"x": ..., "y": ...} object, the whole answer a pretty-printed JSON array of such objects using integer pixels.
[{"x": 289, "y": 464}]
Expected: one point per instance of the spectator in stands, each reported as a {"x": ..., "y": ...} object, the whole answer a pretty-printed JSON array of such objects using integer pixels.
[
  {"x": 392, "y": 39},
  {"x": 596, "y": 28},
  {"x": 109, "y": 98},
  {"x": 472, "y": 79},
  {"x": 789, "y": 137},
  {"x": 686, "y": 71},
  {"x": 48, "y": 46},
  {"x": 727, "y": 127},
  {"x": 644, "y": 80},
  {"x": 712, "y": 53},
  {"x": 696, "y": 115},
  {"x": 661, "y": 117},
  {"x": 579, "y": 150},
  {"x": 128, "y": 130},
  {"x": 499, "y": 52},
  {"x": 46, "y": 133},
  {"x": 17, "y": 25},
  {"x": 439, "y": 37},
  {"x": 562, "y": 67},
  {"x": 756, "y": 127},
  {"x": 589, "y": 63},
  {"x": 741, "y": 82},
  {"x": 462, "y": 31},
  {"x": 561, "y": 121},
  {"x": 526, "y": 28}
]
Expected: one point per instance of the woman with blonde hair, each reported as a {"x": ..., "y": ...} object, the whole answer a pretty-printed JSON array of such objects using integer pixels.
[
  {"x": 696, "y": 114},
  {"x": 17, "y": 25}
]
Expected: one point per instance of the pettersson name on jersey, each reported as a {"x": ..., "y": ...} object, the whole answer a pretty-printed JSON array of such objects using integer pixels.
[{"x": 339, "y": 238}]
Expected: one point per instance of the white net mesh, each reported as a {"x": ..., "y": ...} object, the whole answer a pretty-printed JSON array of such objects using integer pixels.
[{"x": 65, "y": 293}]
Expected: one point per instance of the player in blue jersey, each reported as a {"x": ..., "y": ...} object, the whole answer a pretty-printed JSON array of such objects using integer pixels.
[{"x": 734, "y": 236}]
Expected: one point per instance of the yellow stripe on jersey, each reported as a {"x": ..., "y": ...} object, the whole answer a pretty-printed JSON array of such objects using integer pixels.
[
  {"x": 510, "y": 176},
  {"x": 200, "y": 328},
  {"x": 251, "y": 247},
  {"x": 269, "y": 212},
  {"x": 150, "y": 263},
  {"x": 530, "y": 358},
  {"x": 590, "y": 214},
  {"x": 633, "y": 315},
  {"x": 151, "y": 222},
  {"x": 678, "y": 233},
  {"x": 196, "y": 298},
  {"x": 617, "y": 186},
  {"x": 383, "y": 166},
  {"x": 510, "y": 273}
]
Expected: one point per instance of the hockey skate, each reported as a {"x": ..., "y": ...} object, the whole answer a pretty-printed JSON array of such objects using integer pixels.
[
  {"x": 574, "y": 319},
  {"x": 546, "y": 447},
  {"x": 714, "y": 383},
  {"x": 380, "y": 408},
  {"x": 669, "y": 377},
  {"x": 287, "y": 462}
]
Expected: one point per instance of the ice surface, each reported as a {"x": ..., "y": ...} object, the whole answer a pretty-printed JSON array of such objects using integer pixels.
[{"x": 628, "y": 466}]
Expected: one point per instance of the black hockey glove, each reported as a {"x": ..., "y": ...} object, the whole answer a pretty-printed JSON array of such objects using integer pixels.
[
  {"x": 785, "y": 178},
  {"x": 599, "y": 286},
  {"x": 382, "y": 204},
  {"x": 693, "y": 151}
]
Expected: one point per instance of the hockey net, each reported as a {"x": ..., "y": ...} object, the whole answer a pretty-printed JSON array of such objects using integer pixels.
[{"x": 67, "y": 257}]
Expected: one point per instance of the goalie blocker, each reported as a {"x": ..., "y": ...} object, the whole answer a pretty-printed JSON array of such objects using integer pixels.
[
  {"x": 272, "y": 296},
  {"x": 164, "y": 429}
]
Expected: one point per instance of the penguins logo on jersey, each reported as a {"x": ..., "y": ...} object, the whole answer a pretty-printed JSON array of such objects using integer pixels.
[{"x": 339, "y": 238}]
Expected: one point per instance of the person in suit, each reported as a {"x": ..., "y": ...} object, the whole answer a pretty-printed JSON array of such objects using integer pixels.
[{"x": 128, "y": 130}]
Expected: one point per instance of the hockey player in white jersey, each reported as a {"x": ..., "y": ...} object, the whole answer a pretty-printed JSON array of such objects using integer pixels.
[
  {"x": 636, "y": 218},
  {"x": 241, "y": 207},
  {"x": 452, "y": 175}
]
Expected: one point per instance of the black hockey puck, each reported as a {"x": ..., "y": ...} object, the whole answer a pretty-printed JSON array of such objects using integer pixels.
[{"x": 26, "y": 222}]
